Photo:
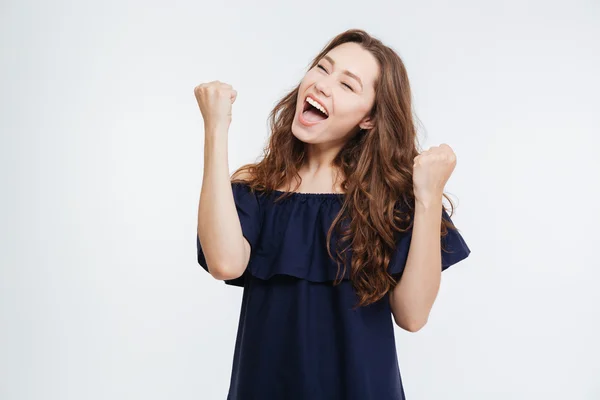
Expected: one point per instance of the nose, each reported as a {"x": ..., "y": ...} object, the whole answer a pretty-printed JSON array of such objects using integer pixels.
[{"x": 323, "y": 86}]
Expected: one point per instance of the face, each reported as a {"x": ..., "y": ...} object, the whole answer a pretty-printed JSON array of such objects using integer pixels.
[{"x": 342, "y": 83}]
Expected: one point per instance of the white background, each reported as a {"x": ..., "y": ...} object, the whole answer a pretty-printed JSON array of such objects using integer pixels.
[{"x": 101, "y": 151}]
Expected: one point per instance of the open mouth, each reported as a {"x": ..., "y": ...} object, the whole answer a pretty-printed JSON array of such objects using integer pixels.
[{"x": 312, "y": 114}]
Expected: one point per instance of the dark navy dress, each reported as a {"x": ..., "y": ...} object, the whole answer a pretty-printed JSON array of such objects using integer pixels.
[{"x": 298, "y": 337}]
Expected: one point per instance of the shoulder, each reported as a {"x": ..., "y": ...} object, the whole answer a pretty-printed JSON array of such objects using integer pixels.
[
  {"x": 242, "y": 182},
  {"x": 243, "y": 173}
]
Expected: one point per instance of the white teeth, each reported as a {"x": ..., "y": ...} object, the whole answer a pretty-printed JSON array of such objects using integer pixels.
[{"x": 316, "y": 105}]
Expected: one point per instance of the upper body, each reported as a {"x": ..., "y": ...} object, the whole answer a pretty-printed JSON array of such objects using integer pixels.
[{"x": 345, "y": 132}]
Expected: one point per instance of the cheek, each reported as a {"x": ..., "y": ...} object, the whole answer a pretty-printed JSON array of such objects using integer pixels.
[
  {"x": 349, "y": 111},
  {"x": 304, "y": 85},
  {"x": 308, "y": 80}
]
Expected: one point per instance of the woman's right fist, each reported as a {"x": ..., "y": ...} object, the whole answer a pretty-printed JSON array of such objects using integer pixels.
[{"x": 215, "y": 100}]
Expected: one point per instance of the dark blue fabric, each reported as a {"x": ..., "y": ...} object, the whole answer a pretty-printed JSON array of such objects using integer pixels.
[{"x": 298, "y": 337}]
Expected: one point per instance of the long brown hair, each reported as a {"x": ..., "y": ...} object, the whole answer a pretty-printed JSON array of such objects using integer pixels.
[{"x": 376, "y": 167}]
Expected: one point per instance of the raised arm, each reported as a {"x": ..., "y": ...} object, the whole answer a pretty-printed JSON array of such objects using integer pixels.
[{"x": 226, "y": 250}]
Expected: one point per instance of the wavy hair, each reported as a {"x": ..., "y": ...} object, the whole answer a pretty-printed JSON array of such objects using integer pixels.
[{"x": 376, "y": 166}]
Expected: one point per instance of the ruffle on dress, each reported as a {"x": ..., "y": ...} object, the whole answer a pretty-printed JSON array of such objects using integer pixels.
[{"x": 288, "y": 237}]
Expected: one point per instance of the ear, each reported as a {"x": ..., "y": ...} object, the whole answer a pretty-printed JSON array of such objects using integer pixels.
[{"x": 366, "y": 123}]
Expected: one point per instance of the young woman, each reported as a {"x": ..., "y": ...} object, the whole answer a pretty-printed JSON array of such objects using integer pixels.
[{"x": 337, "y": 233}]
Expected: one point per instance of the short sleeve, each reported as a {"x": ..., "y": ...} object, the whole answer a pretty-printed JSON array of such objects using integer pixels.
[
  {"x": 453, "y": 248},
  {"x": 248, "y": 209}
]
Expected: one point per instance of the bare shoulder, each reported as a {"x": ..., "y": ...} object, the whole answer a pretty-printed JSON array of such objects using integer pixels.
[{"x": 243, "y": 173}]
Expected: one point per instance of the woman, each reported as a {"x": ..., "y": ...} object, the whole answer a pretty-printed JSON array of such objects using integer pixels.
[{"x": 338, "y": 226}]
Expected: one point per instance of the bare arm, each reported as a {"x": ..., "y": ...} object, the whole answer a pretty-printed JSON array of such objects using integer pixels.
[
  {"x": 226, "y": 250},
  {"x": 413, "y": 297}
]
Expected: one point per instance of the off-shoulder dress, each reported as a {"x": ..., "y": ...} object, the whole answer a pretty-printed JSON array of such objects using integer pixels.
[{"x": 298, "y": 336}]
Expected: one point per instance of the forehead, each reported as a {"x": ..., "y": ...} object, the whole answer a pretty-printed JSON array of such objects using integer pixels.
[{"x": 353, "y": 58}]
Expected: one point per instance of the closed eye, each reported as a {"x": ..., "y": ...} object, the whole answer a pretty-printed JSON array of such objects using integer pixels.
[{"x": 323, "y": 68}]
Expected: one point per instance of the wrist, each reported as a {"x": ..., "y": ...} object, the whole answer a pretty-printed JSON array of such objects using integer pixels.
[
  {"x": 217, "y": 128},
  {"x": 429, "y": 202},
  {"x": 215, "y": 134}
]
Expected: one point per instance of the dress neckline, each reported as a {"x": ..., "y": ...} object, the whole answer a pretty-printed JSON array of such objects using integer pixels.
[
  {"x": 305, "y": 195},
  {"x": 310, "y": 194}
]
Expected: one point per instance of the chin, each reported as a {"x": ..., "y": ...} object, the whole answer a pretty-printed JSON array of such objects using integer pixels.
[
  {"x": 304, "y": 134},
  {"x": 301, "y": 134}
]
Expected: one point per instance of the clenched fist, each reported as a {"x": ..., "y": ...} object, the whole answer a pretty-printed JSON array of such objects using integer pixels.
[
  {"x": 215, "y": 100},
  {"x": 431, "y": 170}
]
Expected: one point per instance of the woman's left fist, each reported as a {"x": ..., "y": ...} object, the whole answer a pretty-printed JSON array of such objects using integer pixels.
[{"x": 431, "y": 170}]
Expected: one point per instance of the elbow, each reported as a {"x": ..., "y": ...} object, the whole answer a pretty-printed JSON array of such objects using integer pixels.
[
  {"x": 413, "y": 325},
  {"x": 222, "y": 265},
  {"x": 224, "y": 271}
]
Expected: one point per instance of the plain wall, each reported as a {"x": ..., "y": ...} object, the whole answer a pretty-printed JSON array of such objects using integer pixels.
[{"x": 101, "y": 152}]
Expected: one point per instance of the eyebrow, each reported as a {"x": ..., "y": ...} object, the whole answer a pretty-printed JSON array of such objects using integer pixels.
[{"x": 350, "y": 74}]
